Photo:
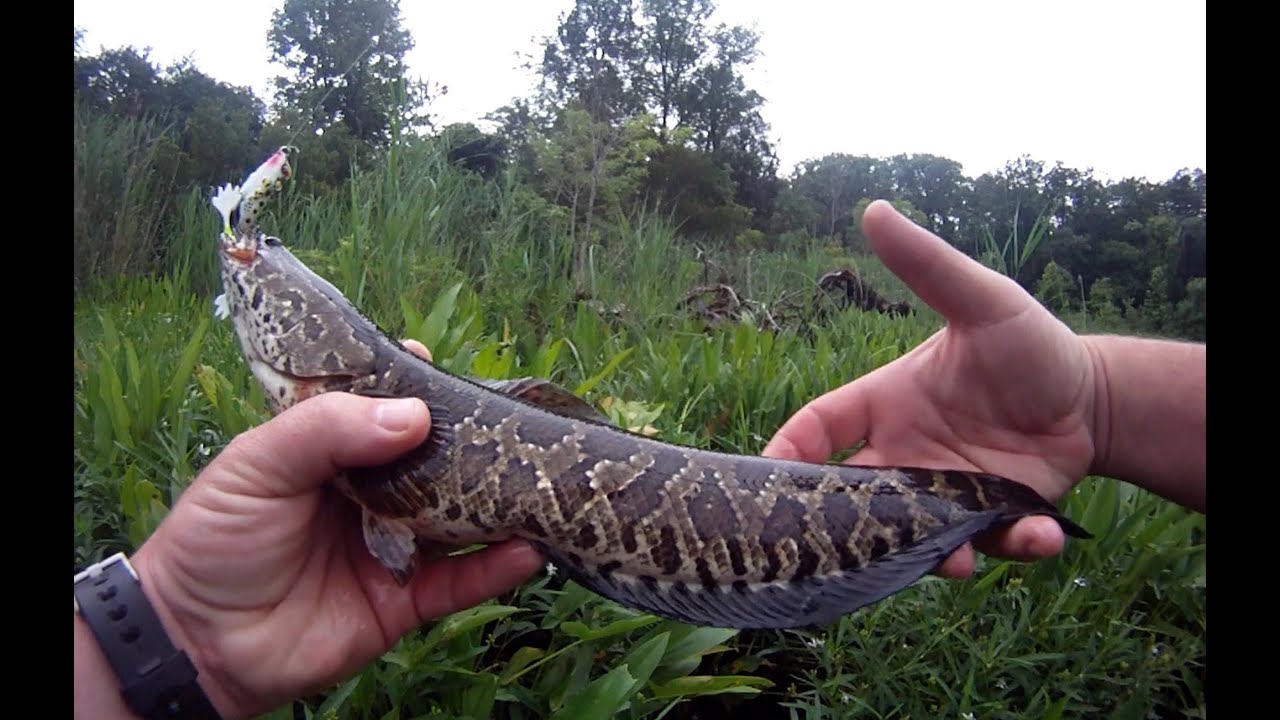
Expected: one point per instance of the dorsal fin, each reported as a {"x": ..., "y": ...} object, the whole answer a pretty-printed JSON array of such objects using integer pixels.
[{"x": 547, "y": 395}]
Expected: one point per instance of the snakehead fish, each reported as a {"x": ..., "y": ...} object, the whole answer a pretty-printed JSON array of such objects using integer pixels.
[{"x": 703, "y": 537}]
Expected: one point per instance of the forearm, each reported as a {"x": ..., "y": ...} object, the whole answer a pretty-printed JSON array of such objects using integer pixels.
[
  {"x": 96, "y": 689},
  {"x": 1149, "y": 427}
]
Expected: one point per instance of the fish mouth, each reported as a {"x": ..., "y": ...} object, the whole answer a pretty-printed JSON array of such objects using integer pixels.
[
  {"x": 245, "y": 255},
  {"x": 242, "y": 248},
  {"x": 285, "y": 390}
]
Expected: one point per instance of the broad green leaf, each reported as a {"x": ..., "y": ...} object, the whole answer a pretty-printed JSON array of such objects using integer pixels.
[
  {"x": 544, "y": 361},
  {"x": 709, "y": 685},
  {"x": 573, "y": 628},
  {"x": 112, "y": 395},
  {"x": 643, "y": 658},
  {"x": 519, "y": 661},
  {"x": 412, "y": 318},
  {"x": 461, "y": 622},
  {"x": 477, "y": 699},
  {"x": 688, "y": 641},
  {"x": 182, "y": 373},
  {"x": 609, "y": 367},
  {"x": 572, "y": 597},
  {"x": 437, "y": 321},
  {"x": 601, "y": 699}
]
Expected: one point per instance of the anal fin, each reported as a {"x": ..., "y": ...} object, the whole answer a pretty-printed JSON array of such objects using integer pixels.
[
  {"x": 392, "y": 542},
  {"x": 814, "y": 602}
]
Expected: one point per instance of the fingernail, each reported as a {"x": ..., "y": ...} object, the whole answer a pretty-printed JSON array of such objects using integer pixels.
[{"x": 396, "y": 415}]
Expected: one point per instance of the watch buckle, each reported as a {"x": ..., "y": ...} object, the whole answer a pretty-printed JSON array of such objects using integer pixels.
[{"x": 98, "y": 568}]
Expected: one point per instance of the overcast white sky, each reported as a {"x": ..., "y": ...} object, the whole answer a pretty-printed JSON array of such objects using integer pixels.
[{"x": 1118, "y": 86}]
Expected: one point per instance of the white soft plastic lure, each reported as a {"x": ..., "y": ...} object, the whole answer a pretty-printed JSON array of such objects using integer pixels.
[{"x": 239, "y": 206}]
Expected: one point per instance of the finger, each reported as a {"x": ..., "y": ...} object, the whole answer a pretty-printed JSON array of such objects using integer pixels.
[
  {"x": 446, "y": 585},
  {"x": 305, "y": 446},
  {"x": 417, "y": 348},
  {"x": 958, "y": 287},
  {"x": 459, "y": 582},
  {"x": 959, "y": 564},
  {"x": 441, "y": 586},
  {"x": 1027, "y": 540},
  {"x": 836, "y": 419}
]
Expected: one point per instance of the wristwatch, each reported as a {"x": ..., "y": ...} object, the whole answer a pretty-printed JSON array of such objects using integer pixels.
[{"x": 158, "y": 680}]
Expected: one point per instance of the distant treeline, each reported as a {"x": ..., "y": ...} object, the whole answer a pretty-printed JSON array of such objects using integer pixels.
[{"x": 642, "y": 107}]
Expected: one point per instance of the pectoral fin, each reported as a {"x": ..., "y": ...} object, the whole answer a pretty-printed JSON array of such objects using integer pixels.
[{"x": 392, "y": 543}]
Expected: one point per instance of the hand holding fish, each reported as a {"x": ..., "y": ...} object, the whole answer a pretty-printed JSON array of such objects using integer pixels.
[
  {"x": 260, "y": 573},
  {"x": 1009, "y": 389}
]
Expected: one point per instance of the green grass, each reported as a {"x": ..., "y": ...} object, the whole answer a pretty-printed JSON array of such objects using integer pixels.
[{"x": 1114, "y": 628}]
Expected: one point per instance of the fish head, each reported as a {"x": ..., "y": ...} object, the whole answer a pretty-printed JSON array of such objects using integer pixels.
[{"x": 297, "y": 332}]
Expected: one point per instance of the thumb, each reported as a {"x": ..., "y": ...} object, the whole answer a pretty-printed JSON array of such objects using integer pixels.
[
  {"x": 305, "y": 446},
  {"x": 958, "y": 287}
]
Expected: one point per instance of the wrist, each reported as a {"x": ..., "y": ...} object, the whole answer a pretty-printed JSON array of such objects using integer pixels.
[
  {"x": 1100, "y": 420},
  {"x": 96, "y": 689},
  {"x": 183, "y": 629},
  {"x": 1149, "y": 415},
  {"x": 132, "y": 658}
]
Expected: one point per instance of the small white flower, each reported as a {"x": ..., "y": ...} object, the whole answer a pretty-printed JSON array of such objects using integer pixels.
[
  {"x": 1002, "y": 684},
  {"x": 813, "y": 642},
  {"x": 967, "y": 716},
  {"x": 551, "y": 570},
  {"x": 1080, "y": 582},
  {"x": 221, "y": 309}
]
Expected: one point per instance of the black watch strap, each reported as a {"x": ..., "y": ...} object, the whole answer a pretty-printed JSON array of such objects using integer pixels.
[{"x": 157, "y": 679}]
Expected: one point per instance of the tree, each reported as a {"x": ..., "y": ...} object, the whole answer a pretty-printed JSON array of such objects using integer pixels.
[
  {"x": 1055, "y": 289},
  {"x": 834, "y": 184},
  {"x": 593, "y": 60},
  {"x": 718, "y": 105},
  {"x": 347, "y": 63},
  {"x": 697, "y": 192},
  {"x": 1156, "y": 308},
  {"x": 674, "y": 44},
  {"x": 468, "y": 147},
  {"x": 1103, "y": 302},
  {"x": 593, "y": 167},
  {"x": 934, "y": 185},
  {"x": 122, "y": 80},
  {"x": 220, "y": 125}
]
